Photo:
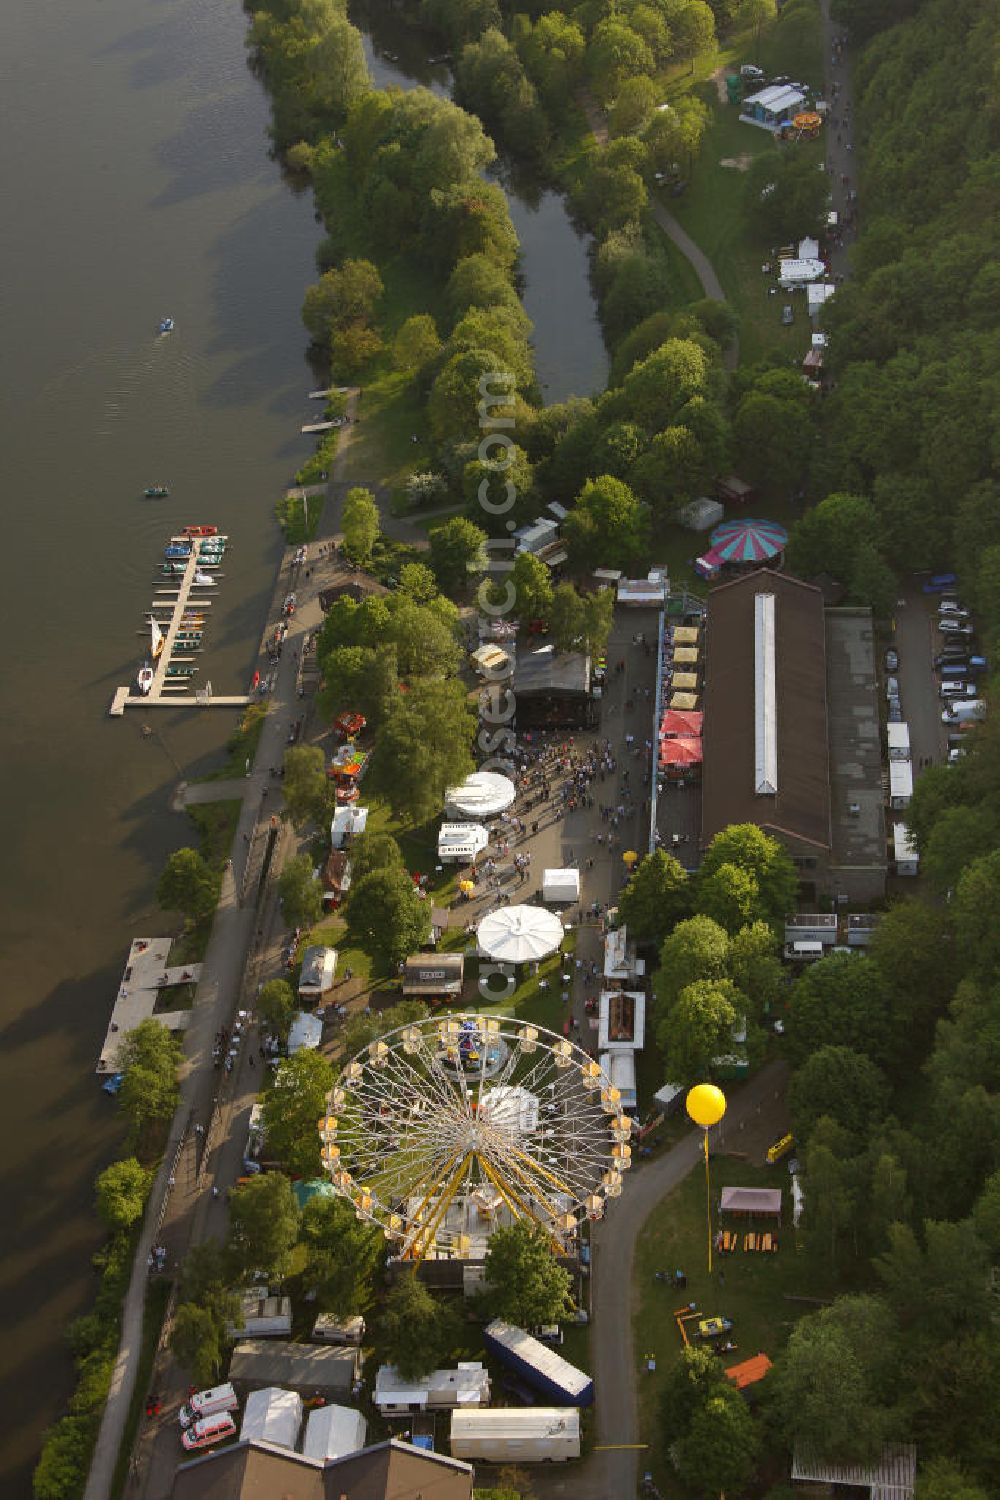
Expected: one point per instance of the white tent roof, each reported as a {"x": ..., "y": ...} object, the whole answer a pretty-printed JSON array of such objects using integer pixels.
[
  {"x": 347, "y": 820},
  {"x": 561, "y": 885},
  {"x": 305, "y": 1031},
  {"x": 481, "y": 795},
  {"x": 333, "y": 1431},
  {"x": 456, "y": 837},
  {"x": 515, "y": 934},
  {"x": 817, "y": 294},
  {"x": 776, "y": 98},
  {"x": 272, "y": 1416},
  {"x": 800, "y": 271}
]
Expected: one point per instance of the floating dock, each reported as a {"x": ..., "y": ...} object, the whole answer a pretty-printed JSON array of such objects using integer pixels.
[
  {"x": 182, "y": 596},
  {"x": 145, "y": 979}
]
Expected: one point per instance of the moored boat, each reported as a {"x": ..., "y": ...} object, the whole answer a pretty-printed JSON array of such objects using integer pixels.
[
  {"x": 204, "y": 580},
  {"x": 155, "y": 640},
  {"x": 166, "y": 325},
  {"x": 156, "y": 491},
  {"x": 144, "y": 681}
]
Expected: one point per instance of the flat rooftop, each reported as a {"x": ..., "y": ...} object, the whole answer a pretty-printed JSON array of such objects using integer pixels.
[{"x": 857, "y": 796}]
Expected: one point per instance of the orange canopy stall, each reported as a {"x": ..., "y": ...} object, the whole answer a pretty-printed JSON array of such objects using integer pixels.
[{"x": 675, "y": 722}]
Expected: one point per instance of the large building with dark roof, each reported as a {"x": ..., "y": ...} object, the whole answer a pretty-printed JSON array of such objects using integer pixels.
[
  {"x": 263, "y": 1471},
  {"x": 791, "y": 730}
]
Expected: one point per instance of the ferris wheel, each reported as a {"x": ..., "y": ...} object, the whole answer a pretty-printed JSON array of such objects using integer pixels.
[{"x": 443, "y": 1130}]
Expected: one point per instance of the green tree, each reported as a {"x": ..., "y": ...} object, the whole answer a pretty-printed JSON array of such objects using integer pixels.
[
  {"x": 301, "y": 893},
  {"x": 658, "y": 387},
  {"x": 309, "y": 796},
  {"x": 296, "y": 1100},
  {"x": 606, "y": 527},
  {"x": 730, "y": 895},
  {"x": 340, "y": 298},
  {"x": 525, "y": 1284},
  {"x": 387, "y": 915},
  {"x": 977, "y": 899},
  {"x": 960, "y": 835},
  {"x": 424, "y": 747},
  {"x": 691, "y": 1382},
  {"x": 565, "y": 618},
  {"x": 751, "y": 849},
  {"x": 416, "y": 344},
  {"x": 343, "y": 1256},
  {"x": 828, "y": 536},
  {"x": 634, "y": 107},
  {"x": 941, "y": 1479},
  {"x": 375, "y": 851},
  {"x": 204, "y": 1275},
  {"x": 149, "y": 1058},
  {"x": 478, "y": 281},
  {"x": 197, "y": 1344},
  {"x": 698, "y": 948},
  {"x": 655, "y": 898},
  {"x": 754, "y": 967},
  {"x": 352, "y": 348},
  {"x": 121, "y": 1193},
  {"x": 453, "y": 407},
  {"x": 263, "y": 1226},
  {"x": 360, "y": 523},
  {"x": 361, "y": 679},
  {"x": 418, "y": 582},
  {"x": 831, "y": 1180},
  {"x": 823, "y": 1390},
  {"x": 841, "y": 1002},
  {"x": 912, "y": 950},
  {"x": 616, "y": 54},
  {"x": 188, "y": 885},
  {"x": 276, "y": 1007},
  {"x": 532, "y": 583},
  {"x": 986, "y": 1215},
  {"x": 718, "y": 1453},
  {"x": 362, "y": 1030},
  {"x": 61, "y": 1472},
  {"x": 940, "y": 1289},
  {"x": 772, "y": 442},
  {"x": 842, "y": 1084},
  {"x": 698, "y": 1028},
  {"x": 418, "y": 1332},
  {"x": 456, "y": 552}
]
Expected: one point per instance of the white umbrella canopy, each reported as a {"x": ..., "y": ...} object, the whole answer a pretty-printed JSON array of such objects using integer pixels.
[
  {"x": 519, "y": 934},
  {"x": 484, "y": 794}
]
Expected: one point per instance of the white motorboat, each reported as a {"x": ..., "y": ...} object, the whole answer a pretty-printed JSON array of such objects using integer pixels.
[
  {"x": 144, "y": 681},
  {"x": 204, "y": 579}
]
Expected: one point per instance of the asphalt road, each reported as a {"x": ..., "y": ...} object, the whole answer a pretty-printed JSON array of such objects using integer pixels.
[{"x": 917, "y": 640}]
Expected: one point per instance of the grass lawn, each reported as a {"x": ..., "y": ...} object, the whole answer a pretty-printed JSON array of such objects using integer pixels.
[
  {"x": 152, "y": 1324},
  {"x": 712, "y": 208},
  {"x": 382, "y": 453},
  {"x": 751, "y": 1289}
]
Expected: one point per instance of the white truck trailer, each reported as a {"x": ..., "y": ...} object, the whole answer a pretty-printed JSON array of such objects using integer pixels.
[{"x": 516, "y": 1435}]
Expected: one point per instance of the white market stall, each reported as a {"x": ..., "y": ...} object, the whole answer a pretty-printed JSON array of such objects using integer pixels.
[
  {"x": 561, "y": 885},
  {"x": 306, "y": 1031},
  {"x": 460, "y": 843},
  {"x": 484, "y": 794},
  {"x": 519, "y": 934},
  {"x": 272, "y": 1416}
]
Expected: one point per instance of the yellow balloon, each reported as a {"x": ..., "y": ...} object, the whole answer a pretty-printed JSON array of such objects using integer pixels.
[{"x": 706, "y": 1104}]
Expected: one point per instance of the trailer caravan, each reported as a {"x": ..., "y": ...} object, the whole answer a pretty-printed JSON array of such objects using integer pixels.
[
  {"x": 467, "y": 1385},
  {"x": 262, "y": 1317},
  {"x": 539, "y": 1365},
  {"x": 516, "y": 1435}
]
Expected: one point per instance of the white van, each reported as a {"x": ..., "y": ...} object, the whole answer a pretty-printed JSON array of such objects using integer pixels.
[
  {"x": 208, "y": 1431},
  {"x": 218, "y": 1398}
]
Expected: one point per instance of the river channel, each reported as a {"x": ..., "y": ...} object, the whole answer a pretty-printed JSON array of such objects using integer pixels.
[{"x": 135, "y": 183}]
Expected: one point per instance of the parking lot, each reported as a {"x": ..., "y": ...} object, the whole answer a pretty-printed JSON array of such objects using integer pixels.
[{"x": 918, "y": 641}]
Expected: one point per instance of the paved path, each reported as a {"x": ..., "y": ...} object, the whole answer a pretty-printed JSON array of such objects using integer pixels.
[{"x": 703, "y": 268}]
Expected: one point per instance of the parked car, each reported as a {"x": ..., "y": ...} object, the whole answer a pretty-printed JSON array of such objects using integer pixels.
[
  {"x": 787, "y": 314},
  {"x": 892, "y": 661},
  {"x": 939, "y": 582},
  {"x": 895, "y": 711},
  {"x": 951, "y": 607},
  {"x": 949, "y": 626},
  {"x": 892, "y": 687}
]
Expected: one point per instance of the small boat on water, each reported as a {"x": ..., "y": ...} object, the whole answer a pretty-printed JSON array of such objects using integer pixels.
[
  {"x": 144, "y": 681},
  {"x": 156, "y": 491},
  {"x": 156, "y": 639},
  {"x": 181, "y": 671},
  {"x": 177, "y": 550},
  {"x": 166, "y": 325},
  {"x": 173, "y": 569},
  {"x": 205, "y": 580}
]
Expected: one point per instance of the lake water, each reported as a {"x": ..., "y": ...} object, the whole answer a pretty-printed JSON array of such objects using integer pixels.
[{"x": 136, "y": 182}]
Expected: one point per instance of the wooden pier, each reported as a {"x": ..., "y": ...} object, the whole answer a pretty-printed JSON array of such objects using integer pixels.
[{"x": 181, "y": 596}]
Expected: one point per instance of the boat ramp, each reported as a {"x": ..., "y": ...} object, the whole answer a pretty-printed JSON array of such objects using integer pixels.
[{"x": 146, "y": 978}]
